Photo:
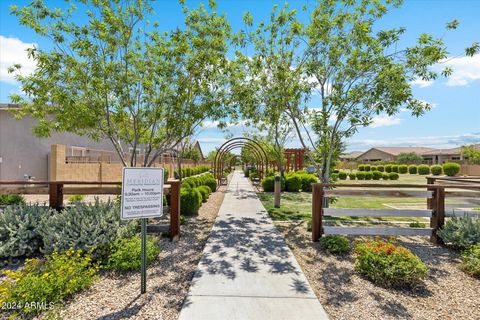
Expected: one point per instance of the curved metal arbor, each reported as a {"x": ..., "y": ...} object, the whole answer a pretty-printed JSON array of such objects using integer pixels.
[{"x": 240, "y": 142}]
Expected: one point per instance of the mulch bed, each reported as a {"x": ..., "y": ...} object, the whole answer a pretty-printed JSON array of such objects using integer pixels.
[{"x": 447, "y": 293}]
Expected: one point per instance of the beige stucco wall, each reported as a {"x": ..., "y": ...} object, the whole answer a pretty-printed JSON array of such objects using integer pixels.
[{"x": 374, "y": 154}]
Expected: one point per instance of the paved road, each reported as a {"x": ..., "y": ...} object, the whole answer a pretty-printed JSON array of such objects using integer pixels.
[{"x": 247, "y": 271}]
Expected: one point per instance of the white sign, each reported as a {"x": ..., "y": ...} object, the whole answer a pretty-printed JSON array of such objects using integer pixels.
[{"x": 142, "y": 193}]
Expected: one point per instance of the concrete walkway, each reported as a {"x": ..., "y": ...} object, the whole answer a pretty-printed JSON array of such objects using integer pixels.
[{"x": 247, "y": 271}]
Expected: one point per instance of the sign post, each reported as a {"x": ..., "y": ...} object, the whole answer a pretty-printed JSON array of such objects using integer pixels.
[{"x": 142, "y": 198}]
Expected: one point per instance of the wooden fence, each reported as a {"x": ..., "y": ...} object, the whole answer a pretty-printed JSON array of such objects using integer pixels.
[
  {"x": 57, "y": 189},
  {"x": 435, "y": 195}
]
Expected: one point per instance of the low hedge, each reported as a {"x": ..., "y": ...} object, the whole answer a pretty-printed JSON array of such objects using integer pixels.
[
  {"x": 377, "y": 175},
  {"x": 451, "y": 168},
  {"x": 205, "y": 191},
  {"x": 307, "y": 180},
  {"x": 190, "y": 201},
  {"x": 11, "y": 199},
  {"x": 388, "y": 168},
  {"x": 423, "y": 169},
  {"x": 293, "y": 183},
  {"x": 360, "y": 175},
  {"x": 342, "y": 175},
  {"x": 352, "y": 176},
  {"x": 368, "y": 175},
  {"x": 394, "y": 168},
  {"x": 335, "y": 244},
  {"x": 436, "y": 170},
  {"x": 381, "y": 168},
  {"x": 403, "y": 168},
  {"x": 393, "y": 176},
  {"x": 461, "y": 232},
  {"x": 367, "y": 167},
  {"x": 385, "y": 176},
  {"x": 471, "y": 260},
  {"x": 126, "y": 253},
  {"x": 361, "y": 167},
  {"x": 412, "y": 169}
]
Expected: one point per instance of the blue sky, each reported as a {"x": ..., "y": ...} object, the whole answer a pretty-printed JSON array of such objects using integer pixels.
[{"x": 454, "y": 120}]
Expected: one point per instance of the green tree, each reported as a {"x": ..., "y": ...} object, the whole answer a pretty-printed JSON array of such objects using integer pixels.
[
  {"x": 472, "y": 152},
  {"x": 356, "y": 72},
  {"x": 117, "y": 77},
  {"x": 409, "y": 158}
]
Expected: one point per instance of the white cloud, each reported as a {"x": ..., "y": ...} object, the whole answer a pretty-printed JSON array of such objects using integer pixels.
[
  {"x": 13, "y": 51},
  {"x": 465, "y": 70},
  {"x": 421, "y": 83},
  {"x": 384, "y": 121}
]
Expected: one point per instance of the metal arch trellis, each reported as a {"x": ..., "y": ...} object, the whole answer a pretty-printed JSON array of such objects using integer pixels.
[
  {"x": 238, "y": 144},
  {"x": 261, "y": 155}
]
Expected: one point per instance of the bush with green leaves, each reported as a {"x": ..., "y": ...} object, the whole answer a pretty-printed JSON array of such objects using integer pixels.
[
  {"x": 335, "y": 244},
  {"x": 211, "y": 183},
  {"x": 48, "y": 281},
  {"x": 352, "y": 175},
  {"x": 412, "y": 169},
  {"x": 307, "y": 180},
  {"x": 205, "y": 191},
  {"x": 386, "y": 176},
  {"x": 377, "y": 175},
  {"x": 436, "y": 170},
  {"x": 403, "y": 168},
  {"x": 19, "y": 231},
  {"x": 74, "y": 198},
  {"x": 334, "y": 177},
  {"x": 388, "y": 168},
  {"x": 342, "y": 175},
  {"x": 126, "y": 253},
  {"x": 393, "y": 176},
  {"x": 360, "y": 175},
  {"x": 293, "y": 183},
  {"x": 423, "y": 169},
  {"x": 11, "y": 199},
  {"x": 190, "y": 201},
  {"x": 471, "y": 260},
  {"x": 394, "y": 168},
  {"x": 361, "y": 167},
  {"x": 85, "y": 226},
  {"x": 246, "y": 172},
  {"x": 373, "y": 168},
  {"x": 367, "y": 167},
  {"x": 451, "y": 169},
  {"x": 368, "y": 175},
  {"x": 389, "y": 265},
  {"x": 380, "y": 168},
  {"x": 268, "y": 184},
  {"x": 461, "y": 232}
]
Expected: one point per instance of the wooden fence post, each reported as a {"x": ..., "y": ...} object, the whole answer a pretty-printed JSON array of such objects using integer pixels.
[
  {"x": 317, "y": 212},
  {"x": 55, "y": 198},
  {"x": 438, "y": 215},
  {"x": 174, "y": 210},
  {"x": 429, "y": 200}
]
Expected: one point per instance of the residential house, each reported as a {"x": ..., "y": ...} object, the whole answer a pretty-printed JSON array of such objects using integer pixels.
[{"x": 387, "y": 154}]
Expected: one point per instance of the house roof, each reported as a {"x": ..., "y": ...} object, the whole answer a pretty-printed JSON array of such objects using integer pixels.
[
  {"x": 351, "y": 155},
  {"x": 8, "y": 106},
  {"x": 457, "y": 150},
  {"x": 395, "y": 151}
]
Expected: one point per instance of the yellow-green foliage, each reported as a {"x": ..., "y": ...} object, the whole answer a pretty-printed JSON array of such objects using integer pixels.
[
  {"x": 47, "y": 282},
  {"x": 126, "y": 253}
]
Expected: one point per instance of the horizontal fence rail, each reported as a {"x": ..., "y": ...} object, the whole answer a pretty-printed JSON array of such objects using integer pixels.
[
  {"x": 434, "y": 194},
  {"x": 57, "y": 189}
]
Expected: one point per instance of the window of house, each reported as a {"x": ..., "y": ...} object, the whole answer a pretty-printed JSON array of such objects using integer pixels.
[{"x": 455, "y": 158}]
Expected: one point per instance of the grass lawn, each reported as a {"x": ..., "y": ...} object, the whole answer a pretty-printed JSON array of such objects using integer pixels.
[{"x": 298, "y": 206}]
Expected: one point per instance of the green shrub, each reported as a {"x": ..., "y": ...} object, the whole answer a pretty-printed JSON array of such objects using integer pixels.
[
  {"x": 48, "y": 281},
  {"x": 361, "y": 167},
  {"x": 342, "y": 175},
  {"x": 377, "y": 175},
  {"x": 403, "y": 168},
  {"x": 381, "y": 168},
  {"x": 393, "y": 176},
  {"x": 268, "y": 184},
  {"x": 386, "y": 176},
  {"x": 126, "y": 253},
  {"x": 389, "y": 265},
  {"x": 394, "y": 168},
  {"x": 334, "y": 177},
  {"x": 436, "y": 170},
  {"x": 76, "y": 198},
  {"x": 307, "y": 180},
  {"x": 412, "y": 169},
  {"x": 461, "y": 232},
  {"x": 423, "y": 169},
  {"x": 246, "y": 172},
  {"x": 205, "y": 191},
  {"x": 388, "y": 168},
  {"x": 416, "y": 224},
  {"x": 18, "y": 231},
  {"x": 335, "y": 244},
  {"x": 360, "y": 175},
  {"x": 11, "y": 199},
  {"x": 211, "y": 183},
  {"x": 368, "y": 175},
  {"x": 373, "y": 168},
  {"x": 294, "y": 183},
  {"x": 451, "y": 168},
  {"x": 367, "y": 167},
  {"x": 85, "y": 226},
  {"x": 471, "y": 260},
  {"x": 190, "y": 201},
  {"x": 165, "y": 175},
  {"x": 188, "y": 172},
  {"x": 352, "y": 175}
]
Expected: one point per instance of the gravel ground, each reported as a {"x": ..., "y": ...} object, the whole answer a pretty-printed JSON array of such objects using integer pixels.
[
  {"x": 117, "y": 296},
  {"x": 448, "y": 293}
]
